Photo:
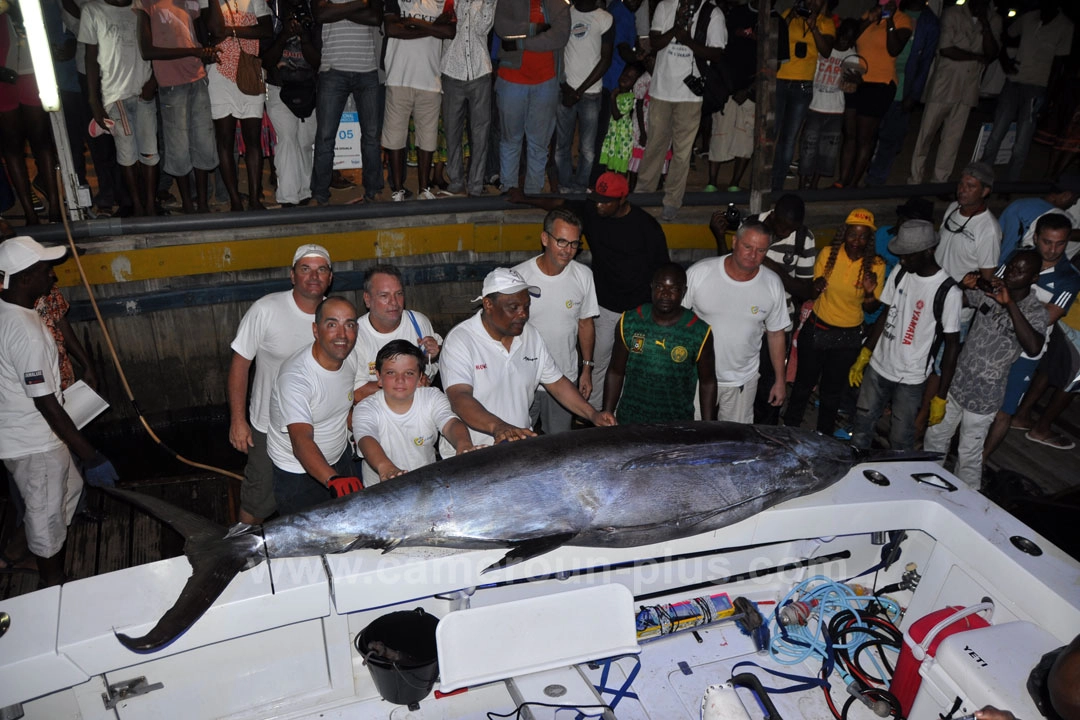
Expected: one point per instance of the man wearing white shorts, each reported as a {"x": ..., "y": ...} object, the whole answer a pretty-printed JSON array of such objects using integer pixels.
[
  {"x": 742, "y": 301},
  {"x": 415, "y": 30},
  {"x": 118, "y": 80}
]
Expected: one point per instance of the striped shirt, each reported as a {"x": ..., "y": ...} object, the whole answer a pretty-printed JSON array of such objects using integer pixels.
[
  {"x": 350, "y": 47},
  {"x": 797, "y": 263}
]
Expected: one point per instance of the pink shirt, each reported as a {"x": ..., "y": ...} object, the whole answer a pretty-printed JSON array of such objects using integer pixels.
[{"x": 172, "y": 26}]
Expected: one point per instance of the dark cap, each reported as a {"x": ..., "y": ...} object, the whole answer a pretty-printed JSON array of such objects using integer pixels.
[
  {"x": 912, "y": 237},
  {"x": 983, "y": 172},
  {"x": 917, "y": 208}
]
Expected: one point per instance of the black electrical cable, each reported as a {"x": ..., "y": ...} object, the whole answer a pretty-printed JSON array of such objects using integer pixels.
[{"x": 516, "y": 713}]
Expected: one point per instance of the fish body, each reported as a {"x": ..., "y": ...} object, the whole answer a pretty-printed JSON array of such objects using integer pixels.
[{"x": 605, "y": 487}]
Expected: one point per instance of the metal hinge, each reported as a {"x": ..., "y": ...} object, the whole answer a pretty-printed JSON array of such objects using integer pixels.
[{"x": 118, "y": 692}]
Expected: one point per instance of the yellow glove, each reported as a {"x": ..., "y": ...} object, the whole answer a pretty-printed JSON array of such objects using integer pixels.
[
  {"x": 855, "y": 374},
  {"x": 937, "y": 410}
]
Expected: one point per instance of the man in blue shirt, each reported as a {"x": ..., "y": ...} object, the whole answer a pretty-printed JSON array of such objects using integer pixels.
[{"x": 1018, "y": 219}]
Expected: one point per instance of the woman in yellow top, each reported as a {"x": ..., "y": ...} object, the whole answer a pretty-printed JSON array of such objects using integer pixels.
[
  {"x": 883, "y": 34},
  {"x": 810, "y": 32},
  {"x": 848, "y": 277}
]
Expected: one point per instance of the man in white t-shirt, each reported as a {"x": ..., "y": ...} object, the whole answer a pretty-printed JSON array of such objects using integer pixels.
[
  {"x": 899, "y": 349},
  {"x": 386, "y": 320},
  {"x": 121, "y": 93},
  {"x": 586, "y": 58},
  {"x": 39, "y": 442},
  {"x": 674, "y": 110},
  {"x": 272, "y": 329},
  {"x": 970, "y": 234},
  {"x": 397, "y": 427},
  {"x": 742, "y": 301},
  {"x": 308, "y": 436},
  {"x": 563, "y": 313},
  {"x": 493, "y": 362},
  {"x": 415, "y": 30}
]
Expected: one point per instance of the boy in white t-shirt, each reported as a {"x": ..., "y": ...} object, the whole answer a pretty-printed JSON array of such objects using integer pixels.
[
  {"x": 824, "y": 125},
  {"x": 396, "y": 428}
]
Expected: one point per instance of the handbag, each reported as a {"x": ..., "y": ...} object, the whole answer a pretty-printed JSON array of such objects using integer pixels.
[
  {"x": 249, "y": 69},
  {"x": 712, "y": 81}
]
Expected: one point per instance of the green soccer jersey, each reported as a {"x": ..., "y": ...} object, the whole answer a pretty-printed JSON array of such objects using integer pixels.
[{"x": 661, "y": 367}]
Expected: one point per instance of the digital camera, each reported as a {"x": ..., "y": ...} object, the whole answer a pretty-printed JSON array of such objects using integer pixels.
[{"x": 696, "y": 83}]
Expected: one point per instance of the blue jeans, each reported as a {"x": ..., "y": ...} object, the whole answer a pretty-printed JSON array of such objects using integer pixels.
[
  {"x": 525, "y": 111},
  {"x": 875, "y": 393},
  {"x": 585, "y": 114},
  {"x": 890, "y": 142},
  {"x": 792, "y": 102},
  {"x": 368, "y": 93},
  {"x": 1020, "y": 102}
]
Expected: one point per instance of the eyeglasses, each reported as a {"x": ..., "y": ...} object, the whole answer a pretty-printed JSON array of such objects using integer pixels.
[
  {"x": 952, "y": 227},
  {"x": 564, "y": 243}
]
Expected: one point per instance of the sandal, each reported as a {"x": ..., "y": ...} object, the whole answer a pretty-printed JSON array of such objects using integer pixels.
[{"x": 1058, "y": 442}]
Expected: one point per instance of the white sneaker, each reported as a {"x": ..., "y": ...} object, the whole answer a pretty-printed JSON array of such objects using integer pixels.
[
  {"x": 426, "y": 194},
  {"x": 398, "y": 196}
]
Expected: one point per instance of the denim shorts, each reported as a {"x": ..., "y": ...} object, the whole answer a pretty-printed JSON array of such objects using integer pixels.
[
  {"x": 135, "y": 132},
  {"x": 187, "y": 129}
]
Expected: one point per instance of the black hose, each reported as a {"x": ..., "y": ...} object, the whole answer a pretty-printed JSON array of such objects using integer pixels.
[{"x": 750, "y": 682}]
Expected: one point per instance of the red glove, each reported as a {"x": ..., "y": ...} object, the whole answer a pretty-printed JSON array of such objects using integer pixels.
[{"x": 343, "y": 486}]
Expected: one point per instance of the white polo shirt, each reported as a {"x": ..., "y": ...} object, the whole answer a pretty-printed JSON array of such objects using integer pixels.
[
  {"x": 28, "y": 369},
  {"x": 271, "y": 330},
  {"x": 739, "y": 312},
  {"x": 564, "y": 299},
  {"x": 370, "y": 341},
  {"x": 306, "y": 392},
  {"x": 504, "y": 382},
  {"x": 407, "y": 439}
]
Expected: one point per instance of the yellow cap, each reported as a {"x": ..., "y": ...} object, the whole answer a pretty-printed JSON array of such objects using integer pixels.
[{"x": 861, "y": 216}]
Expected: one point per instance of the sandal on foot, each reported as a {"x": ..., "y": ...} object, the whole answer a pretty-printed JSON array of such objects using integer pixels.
[{"x": 1058, "y": 442}]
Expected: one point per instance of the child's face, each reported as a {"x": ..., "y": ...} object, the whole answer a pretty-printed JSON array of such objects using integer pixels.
[
  {"x": 628, "y": 77},
  {"x": 399, "y": 377}
]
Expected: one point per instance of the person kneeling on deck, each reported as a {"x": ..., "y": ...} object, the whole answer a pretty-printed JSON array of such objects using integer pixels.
[
  {"x": 308, "y": 437},
  {"x": 493, "y": 363},
  {"x": 922, "y": 309},
  {"x": 396, "y": 428},
  {"x": 38, "y": 440},
  {"x": 1009, "y": 318},
  {"x": 662, "y": 353}
]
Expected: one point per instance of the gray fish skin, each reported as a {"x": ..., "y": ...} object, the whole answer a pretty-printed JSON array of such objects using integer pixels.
[{"x": 605, "y": 487}]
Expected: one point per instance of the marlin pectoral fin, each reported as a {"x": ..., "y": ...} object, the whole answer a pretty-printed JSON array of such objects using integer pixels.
[
  {"x": 212, "y": 573},
  {"x": 521, "y": 551},
  {"x": 712, "y": 454}
]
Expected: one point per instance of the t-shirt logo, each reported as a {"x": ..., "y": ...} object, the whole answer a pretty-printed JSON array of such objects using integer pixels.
[
  {"x": 679, "y": 354},
  {"x": 569, "y": 304},
  {"x": 754, "y": 309},
  {"x": 34, "y": 378},
  {"x": 418, "y": 441},
  {"x": 637, "y": 343},
  {"x": 580, "y": 30}
]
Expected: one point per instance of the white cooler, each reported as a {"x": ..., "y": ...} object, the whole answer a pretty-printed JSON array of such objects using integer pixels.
[{"x": 988, "y": 666}]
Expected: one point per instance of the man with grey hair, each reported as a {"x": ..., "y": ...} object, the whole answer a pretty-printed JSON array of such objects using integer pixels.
[
  {"x": 493, "y": 362},
  {"x": 743, "y": 302},
  {"x": 921, "y": 308},
  {"x": 563, "y": 313},
  {"x": 272, "y": 329},
  {"x": 386, "y": 320}
]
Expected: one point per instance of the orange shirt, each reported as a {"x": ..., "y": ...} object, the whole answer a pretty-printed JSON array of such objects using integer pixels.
[
  {"x": 871, "y": 45},
  {"x": 536, "y": 67}
]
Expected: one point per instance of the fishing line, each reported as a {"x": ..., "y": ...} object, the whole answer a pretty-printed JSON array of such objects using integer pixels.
[{"x": 112, "y": 349}]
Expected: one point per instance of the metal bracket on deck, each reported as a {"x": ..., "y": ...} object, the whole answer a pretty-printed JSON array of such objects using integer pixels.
[{"x": 126, "y": 689}]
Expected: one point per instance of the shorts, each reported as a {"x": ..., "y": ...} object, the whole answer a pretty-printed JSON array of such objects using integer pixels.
[
  {"x": 50, "y": 485},
  {"x": 821, "y": 137},
  {"x": 736, "y": 403},
  {"x": 226, "y": 99},
  {"x": 1061, "y": 363},
  {"x": 299, "y": 491},
  {"x": 1020, "y": 375},
  {"x": 732, "y": 132},
  {"x": 423, "y": 105},
  {"x": 135, "y": 132},
  {"x": 872, "y": 99},
  {"x": 24, "y": 91},
  {"x": 187, "y": 129},
  {"x": 257, "y": 489}
]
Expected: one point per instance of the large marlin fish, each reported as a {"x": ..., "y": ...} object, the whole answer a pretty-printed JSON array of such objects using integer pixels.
[{"x": 613, "y": 487}]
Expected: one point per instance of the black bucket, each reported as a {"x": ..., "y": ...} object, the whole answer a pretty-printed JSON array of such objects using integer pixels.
[{"x": 412, "y": 634}]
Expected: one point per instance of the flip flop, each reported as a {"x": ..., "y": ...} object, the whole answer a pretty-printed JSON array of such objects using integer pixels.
[
  {"x": 1061, "y": 444},
  {"x": 1020, "y": 427}
]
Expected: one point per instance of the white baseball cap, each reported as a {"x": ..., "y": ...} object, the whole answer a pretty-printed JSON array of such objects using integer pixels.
[
  {"x": 20, "y": 252},
  {"x": 506, "y": 282},
  {"x": 310, "y": 250}
]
